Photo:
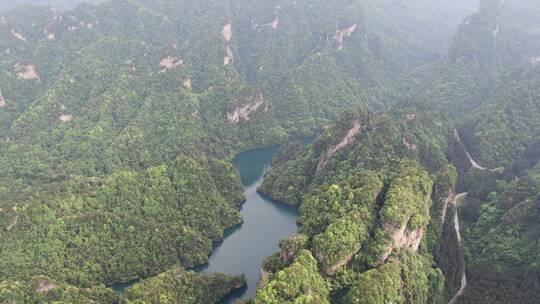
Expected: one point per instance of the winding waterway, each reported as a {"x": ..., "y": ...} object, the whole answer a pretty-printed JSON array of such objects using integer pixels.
[{"x": 265, "y": 224}]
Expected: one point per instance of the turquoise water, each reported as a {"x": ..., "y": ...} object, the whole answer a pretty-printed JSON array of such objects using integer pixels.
[{"x": 265, "y": 224}]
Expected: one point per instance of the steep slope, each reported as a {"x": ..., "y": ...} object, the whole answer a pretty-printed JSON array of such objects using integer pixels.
[
  {"x": 114, "y": 118},
  {"x": 501, "y": 132},
  {"x": 370, "y": 210},
  {"x": 59, "y": 4},
  {"x": 493, "y": 46},
  {"x": 501, "y": 241}
]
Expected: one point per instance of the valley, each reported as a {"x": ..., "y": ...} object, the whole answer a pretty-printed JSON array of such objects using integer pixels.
[{"x": 149, "y": 152}]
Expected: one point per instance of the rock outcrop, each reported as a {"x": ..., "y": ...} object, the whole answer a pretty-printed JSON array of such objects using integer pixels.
[
  {"x": 447, "y": 202},
  {"x": 13, "y": 223},
  {"x": 264, "y": 278},
  {"x": 169, "y": 62},
  {"x": 349, "y": 139},
  {"x": 18, "y": 35},
  {"x": 229, "y": 56},
  {"x": 26, "y": 71},
  {"x": 410, "y": 117},
  {"x": 405, "y": 214},
  {"x": 227, "y": 32},
  {"x": 44, "y": 287},
  {"x": 341, "y": 34},
  {"x": 274, "y": 24},
  {"x": 331, "y": 270},
  {"x": 289, "y": 247},
  {"x": 65, "y": 118},
  {"x": 187, "y": 83},
  {"x": 2, "y": 102},
  {"x": 401, "y": 238},
  {"x": 246, "y": 104},
  {"x": 410, "y": 146}
]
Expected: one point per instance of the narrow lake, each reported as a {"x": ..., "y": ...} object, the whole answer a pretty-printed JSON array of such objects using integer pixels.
[{"x": 265, "y": 224}]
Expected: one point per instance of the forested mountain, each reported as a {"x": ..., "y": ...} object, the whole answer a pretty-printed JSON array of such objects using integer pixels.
[
  {"x": 118, "y": 119},
  {"x": 492, "y": 47},
  {"x": 6, "y": 5}
]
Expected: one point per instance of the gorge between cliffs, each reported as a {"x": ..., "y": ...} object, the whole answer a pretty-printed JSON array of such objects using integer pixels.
[{"x": 266, "y": 222}]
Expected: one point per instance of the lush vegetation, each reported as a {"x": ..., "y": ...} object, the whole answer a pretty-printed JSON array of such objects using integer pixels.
[
  {"x": 182, "y": 287},
  {"x": 502, "y": 243},
  {"x": 129, "y": 225},
  {"x": 298, "y": 283},
  {"x": 117, "y": 121}
]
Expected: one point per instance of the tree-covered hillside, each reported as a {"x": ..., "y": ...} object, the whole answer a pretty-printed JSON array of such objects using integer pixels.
[
  {"x": 118, "y": 120},
  {"x": 372, "y": 211},
  {"x": 59, "y": 4}
]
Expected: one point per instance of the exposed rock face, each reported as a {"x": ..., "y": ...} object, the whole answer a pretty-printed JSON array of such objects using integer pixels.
[
  {"x": 18, "y": 35},
  {"x": 405, "y": 213},
  {"x": 187, "y": 83},
  {"x": 349, "y": 139},
  {"x": 13, "y": 222},
  {"x": 65, "y": 118},
  {"x": 402, "y": 238},
  {"x": 331, "y": 270},
  {"x": 497, "y": 30},
  {"x": 289, "y": 247},
  {"x": 264, "y": 278},
  {"x": 2, "y": 102},
  {"x": 447, "y": 202},
  {"x": 44, "y": 287},
  {"x": 247, "y": 104},
  {"x": 340, "y": 35},
  {"x": 410, "y": 117},
  {"x": 229, "y": 56},
  {"x": 410, "y": 146},
  {"x": 168, "y": 63},
  {"x": 227, "y": 32},
  {"x": 273, "y": 24},
  {"x": 26, "y": 71},
  {"x": 535, "y": 61}
]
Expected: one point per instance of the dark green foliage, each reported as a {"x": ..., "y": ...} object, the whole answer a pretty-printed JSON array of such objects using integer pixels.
[
  {"x": 126, "y": 226},
  {"x": 42, "y": 289},
  {"x": 111, "y": 159},
  {"x": 519, "y": 285},
  {"x": 500, "y": 132},
  {"x": 444, "y": 186},
  {"x": 183, "y": 287},
  {"x": 379, "y": 145},
  {"x": 379, "y": 286},
  {"x": 340, "y": 241},
  {"x": 408, "y": 198},
  {"x": 503, "y": 240},
  {"x": 404, "y": 279},
  {"x": 298, "y": 283},
  {"x": 355, "y": 196}
]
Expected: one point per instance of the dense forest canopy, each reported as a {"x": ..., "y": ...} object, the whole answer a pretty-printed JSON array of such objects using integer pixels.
[
  {"x": 6, "y": 5},
  {"x": 119, "y": 118}
]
